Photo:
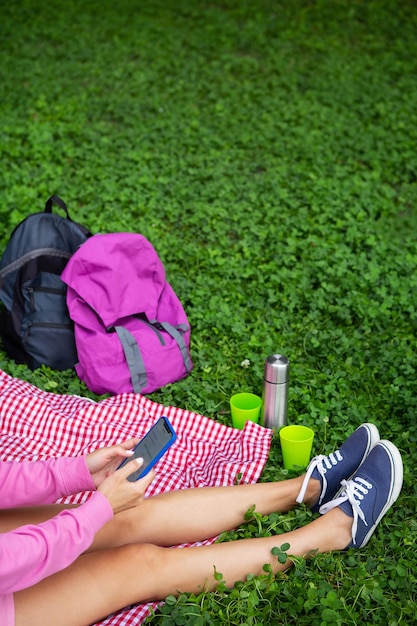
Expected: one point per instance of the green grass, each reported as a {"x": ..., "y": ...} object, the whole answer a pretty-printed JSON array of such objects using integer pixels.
[{"x": 268, "y": 151}]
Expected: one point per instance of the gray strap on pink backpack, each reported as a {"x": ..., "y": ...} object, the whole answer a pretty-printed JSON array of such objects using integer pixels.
[
  {"x": 133, "y": 358},
  {"x": 176, "y": 333},
  {"x": 133, "y": 355}
]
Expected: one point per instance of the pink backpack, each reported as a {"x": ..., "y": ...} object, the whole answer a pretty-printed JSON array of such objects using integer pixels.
[{"x": 131, "y": 331}]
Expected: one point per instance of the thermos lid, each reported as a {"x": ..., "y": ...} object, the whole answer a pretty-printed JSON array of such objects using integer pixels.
[{"x": 277, "y": 369}]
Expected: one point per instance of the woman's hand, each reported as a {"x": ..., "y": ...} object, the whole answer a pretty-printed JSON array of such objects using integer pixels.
[
  {"x": 104, "y": 461},
  {"x": 120, "y": 492}
]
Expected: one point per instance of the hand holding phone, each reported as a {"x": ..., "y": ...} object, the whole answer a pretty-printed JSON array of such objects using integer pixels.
[
  {"x": 122, "y": 494},
  {"x": 152, "y": 447},
  {"x": 104, "y": 461}
]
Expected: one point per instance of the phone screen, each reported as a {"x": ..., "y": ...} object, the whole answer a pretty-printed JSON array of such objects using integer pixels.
[{"x": 153, "y": 445}]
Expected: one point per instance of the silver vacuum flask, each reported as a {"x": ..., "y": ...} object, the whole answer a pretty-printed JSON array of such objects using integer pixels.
[{"x": 275, "y": 391}]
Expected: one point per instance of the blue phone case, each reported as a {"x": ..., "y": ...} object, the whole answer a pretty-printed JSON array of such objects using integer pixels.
[{"x": 152, "y": 447}]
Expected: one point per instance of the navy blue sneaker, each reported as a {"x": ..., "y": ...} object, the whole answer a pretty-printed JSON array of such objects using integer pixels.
[
  {"x": 371, "y": 492},
  {"x": 340, "y": 465}
]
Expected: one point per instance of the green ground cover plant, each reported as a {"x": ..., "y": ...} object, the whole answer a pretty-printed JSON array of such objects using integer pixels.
[{"x": 267, "y": 148}]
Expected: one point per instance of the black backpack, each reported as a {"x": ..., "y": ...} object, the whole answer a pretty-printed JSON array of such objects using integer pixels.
[{"x": 35, "y": 326}]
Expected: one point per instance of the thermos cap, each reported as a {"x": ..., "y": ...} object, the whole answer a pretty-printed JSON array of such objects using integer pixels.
[{"x": 277, "y": 369}]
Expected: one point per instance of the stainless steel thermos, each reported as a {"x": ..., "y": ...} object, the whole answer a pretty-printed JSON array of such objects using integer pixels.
[{"x": 275, "y": 391}]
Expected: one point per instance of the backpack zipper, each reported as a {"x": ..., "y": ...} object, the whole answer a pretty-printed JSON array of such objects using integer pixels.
[
  {"x": 31, "y": 325},
  {"x": 111, "y": 329},
  {"x": 31, "y": 292},
  {"x": 156, "y": 331}
]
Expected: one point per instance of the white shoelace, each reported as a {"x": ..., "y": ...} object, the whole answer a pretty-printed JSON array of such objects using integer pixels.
[
  {"x": 322, "y": 463},
  {"x": 354, "y": 492}
]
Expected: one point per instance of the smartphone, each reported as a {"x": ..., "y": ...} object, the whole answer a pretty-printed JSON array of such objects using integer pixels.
[{"x": 153, "y": 445}]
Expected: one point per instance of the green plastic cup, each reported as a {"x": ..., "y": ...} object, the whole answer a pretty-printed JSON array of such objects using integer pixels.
[
  {"x": 296, "y": 444},
  {"x": 244, "y": 407}
]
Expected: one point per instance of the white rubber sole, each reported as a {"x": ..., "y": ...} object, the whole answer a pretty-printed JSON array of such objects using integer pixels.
[{"x": 395, "y": 487}]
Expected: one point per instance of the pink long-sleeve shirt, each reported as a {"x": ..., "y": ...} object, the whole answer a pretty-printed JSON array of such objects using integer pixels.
[{"x": 30, "y": 553}]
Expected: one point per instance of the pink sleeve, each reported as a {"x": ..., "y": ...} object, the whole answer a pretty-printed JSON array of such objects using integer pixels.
[
  {"x": 31, "y": 553},
  {"x": 42, "y": 482}
]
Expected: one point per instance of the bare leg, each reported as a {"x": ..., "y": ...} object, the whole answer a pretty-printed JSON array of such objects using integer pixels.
[
  {"x": 101, "y": 582},
  {"x": 181, "y": 516}
]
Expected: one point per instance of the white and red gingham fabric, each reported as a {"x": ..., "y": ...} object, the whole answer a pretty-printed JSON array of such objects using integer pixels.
[{"x": 37, "y": 425}]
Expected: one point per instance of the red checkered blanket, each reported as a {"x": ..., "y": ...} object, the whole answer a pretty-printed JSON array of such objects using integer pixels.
[{"x": 37, "y": 425}]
